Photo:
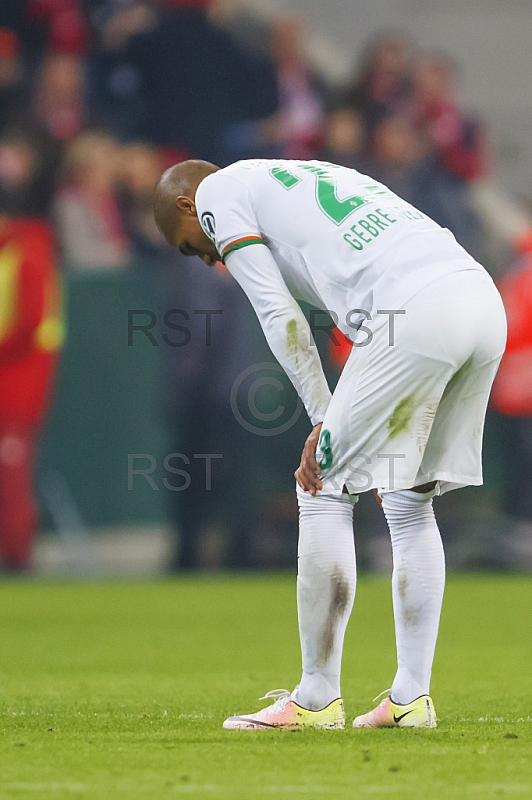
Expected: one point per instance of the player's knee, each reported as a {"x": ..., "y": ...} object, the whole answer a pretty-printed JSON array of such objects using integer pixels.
[
  {"x": 413, "y": 497},
  {"x": 406, "y": 506}
]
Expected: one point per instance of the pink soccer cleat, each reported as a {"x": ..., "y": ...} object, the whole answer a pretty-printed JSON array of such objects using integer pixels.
[
  {"x": 287, "y": 715},
  {"x": 417, "y": 714}
]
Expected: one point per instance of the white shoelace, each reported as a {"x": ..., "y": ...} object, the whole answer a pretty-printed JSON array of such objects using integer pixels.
[
  {"x": 386, "y": 691},
  {"x": 280, "y": 697}
]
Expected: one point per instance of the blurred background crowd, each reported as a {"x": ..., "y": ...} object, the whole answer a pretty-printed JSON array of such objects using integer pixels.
[{"x": 112, "y": 348}]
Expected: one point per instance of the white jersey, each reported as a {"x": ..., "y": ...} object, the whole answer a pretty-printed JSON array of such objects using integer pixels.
[{"x": 327, "y": 235}]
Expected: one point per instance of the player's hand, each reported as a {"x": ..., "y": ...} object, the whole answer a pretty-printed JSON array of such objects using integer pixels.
[{"x": 307, "y": 474}]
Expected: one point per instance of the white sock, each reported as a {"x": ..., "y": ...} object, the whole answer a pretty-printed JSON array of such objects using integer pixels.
[
  {"x": 417, "y": 587},
  {"x": 326, "y": 584}
]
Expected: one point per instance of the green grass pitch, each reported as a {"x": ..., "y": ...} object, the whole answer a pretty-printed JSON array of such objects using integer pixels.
[{"x": 112, "y": 691}]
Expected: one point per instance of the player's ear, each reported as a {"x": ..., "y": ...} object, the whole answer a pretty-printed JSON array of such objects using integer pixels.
[{"x": 186, "y": 205}]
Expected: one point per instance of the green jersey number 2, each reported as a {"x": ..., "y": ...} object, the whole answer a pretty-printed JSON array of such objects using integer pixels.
[{"x": 326, "y": 195}]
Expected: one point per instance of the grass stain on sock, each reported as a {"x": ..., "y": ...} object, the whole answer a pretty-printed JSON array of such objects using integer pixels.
[{"x": 339, "y": 603}]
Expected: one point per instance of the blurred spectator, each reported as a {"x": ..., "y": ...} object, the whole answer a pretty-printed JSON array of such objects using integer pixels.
[
  {"x": 507, "y": 223},
  {"x": 185, "y": 78},
  {"x": 46, "y": 26},
  {"x": 88, "y": 220},
  {"x": 457, "y": 140},
  {"x": 123, "y": 20},
  {"x": 118, "y": 66},
  {"x": 30, "y": 337},
  {"x": 296, "y": 127},
  {"x": 216, "y": 515},
  {"x": 59, "y": 96},
  {"x": 240, "y": 20},
  {"x": 404, "y": 162},
  {"x": 512, "y": 398},
  {"x": 64, "y": 24},
  {"x": 512, "y": 392},
  {"x": 27, "y": 150},
  {"x": 383, "y": 85},
  {"x": 140, "y": 169},
  {"x": 13, "y": 97},
  {"x": 344, "y": 139}
]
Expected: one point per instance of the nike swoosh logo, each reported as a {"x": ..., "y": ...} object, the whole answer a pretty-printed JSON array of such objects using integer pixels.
[{"x": 398, "y": 719}]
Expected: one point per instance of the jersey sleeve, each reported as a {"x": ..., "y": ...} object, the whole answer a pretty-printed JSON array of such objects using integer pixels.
[
  {"x": 226, "y": 214},
  {"x": 286, "y": 330},
  {"x": 225, "y": 209}
]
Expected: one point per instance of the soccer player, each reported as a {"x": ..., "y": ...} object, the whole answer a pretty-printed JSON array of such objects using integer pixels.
[{"x": 407, "y": 415}]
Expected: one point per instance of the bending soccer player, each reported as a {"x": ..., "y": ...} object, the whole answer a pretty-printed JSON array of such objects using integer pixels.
[{"x": 406, "y": 417}]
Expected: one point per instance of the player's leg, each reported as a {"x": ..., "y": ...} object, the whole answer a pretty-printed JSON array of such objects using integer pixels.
[
  {"x": 358, "y": 423},
  {"x": 325, "y": 592},
  {"x": 17, "y": 503},
  {"x": 326, "y": 584},
  {"x": 452, "y": 455},
  {"x": 418, "y": 581}
]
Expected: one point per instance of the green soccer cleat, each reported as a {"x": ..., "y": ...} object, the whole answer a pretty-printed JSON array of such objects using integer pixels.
[{"x": 417, "y": 714}]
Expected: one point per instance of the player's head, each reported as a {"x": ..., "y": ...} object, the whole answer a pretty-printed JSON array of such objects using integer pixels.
[{"x": 175, "y": 212}]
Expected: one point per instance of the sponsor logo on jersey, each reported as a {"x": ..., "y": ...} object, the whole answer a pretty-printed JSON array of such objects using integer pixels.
[{"x": 208, "y": 224}]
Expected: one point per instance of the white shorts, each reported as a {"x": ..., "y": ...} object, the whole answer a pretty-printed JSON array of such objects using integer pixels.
[{"x": 411, "y": 411}]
